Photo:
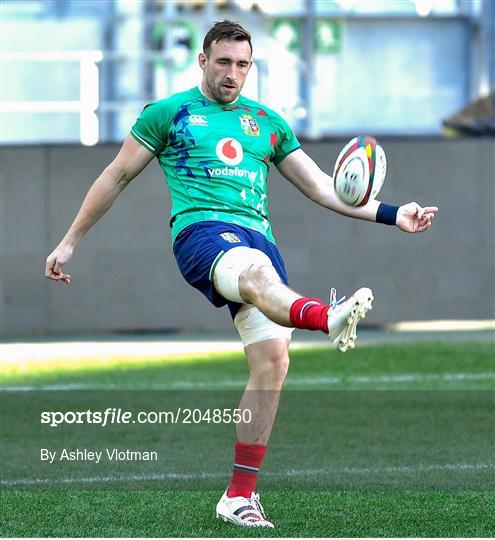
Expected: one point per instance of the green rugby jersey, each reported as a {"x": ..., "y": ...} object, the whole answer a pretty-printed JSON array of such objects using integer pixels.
[{"x": 215, "y": 157}]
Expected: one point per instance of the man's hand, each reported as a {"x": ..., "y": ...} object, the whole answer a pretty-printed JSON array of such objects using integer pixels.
[
  {"x": 129, "y": 162},
  {"x": 54, "y": 263},
  {"x": 413, "y": 218}
]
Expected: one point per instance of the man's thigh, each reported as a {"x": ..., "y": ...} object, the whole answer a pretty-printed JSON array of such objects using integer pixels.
[{"x": 200, "y": 246}]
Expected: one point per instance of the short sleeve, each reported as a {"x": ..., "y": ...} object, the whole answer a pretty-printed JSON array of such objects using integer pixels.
[
  {"x": 286, "y": 142},
  {"x": 151, "y": 127}
]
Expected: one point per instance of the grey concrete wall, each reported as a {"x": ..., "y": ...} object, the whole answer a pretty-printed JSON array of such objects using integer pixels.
[{"x": 124, "y": 275}]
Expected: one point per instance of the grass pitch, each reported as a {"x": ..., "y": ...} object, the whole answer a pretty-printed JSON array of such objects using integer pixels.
[{"x": 393, "y": 440}]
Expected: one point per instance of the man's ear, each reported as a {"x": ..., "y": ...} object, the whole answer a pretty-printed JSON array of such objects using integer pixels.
[{"x": 202, "y": 60}]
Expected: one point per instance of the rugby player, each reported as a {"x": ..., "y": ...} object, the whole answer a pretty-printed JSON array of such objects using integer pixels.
[{"x": 215, "y": 148}]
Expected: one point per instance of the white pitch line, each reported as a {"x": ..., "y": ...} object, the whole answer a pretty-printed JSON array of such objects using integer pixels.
[
  {"x": 406, "y": 469},
  {"x": 105, "y": 479},
  {"x": 290, "y": 381},
  {"x": 402, "y": 469}
]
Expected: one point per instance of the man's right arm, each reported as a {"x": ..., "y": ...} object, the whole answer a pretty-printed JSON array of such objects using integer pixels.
[{"x": 129, "y": 162}]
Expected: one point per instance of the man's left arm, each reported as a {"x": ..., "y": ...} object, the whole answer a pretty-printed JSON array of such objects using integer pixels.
[{"x": 305, "y": 174}]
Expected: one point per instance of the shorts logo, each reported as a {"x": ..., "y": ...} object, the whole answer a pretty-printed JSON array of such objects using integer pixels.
[
  {"x": 249, "y": 125},
  {"x": 230, "y": 237},
  {"x": 198, "y": 119},
  {"x": 230, "y": 151}
]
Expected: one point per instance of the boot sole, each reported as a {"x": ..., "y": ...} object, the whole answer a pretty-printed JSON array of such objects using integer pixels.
[{"x": 364, "y": 301}]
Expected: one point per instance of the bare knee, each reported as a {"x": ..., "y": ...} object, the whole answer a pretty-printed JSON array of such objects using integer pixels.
[
  {"x": 278, "y": 366},
  {"x": 269, "y": 363},
  {"x": 256, "y": 279}
]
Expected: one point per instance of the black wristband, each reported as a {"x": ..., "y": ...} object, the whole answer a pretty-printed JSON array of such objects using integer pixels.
[{"x": 387, "y": 214}]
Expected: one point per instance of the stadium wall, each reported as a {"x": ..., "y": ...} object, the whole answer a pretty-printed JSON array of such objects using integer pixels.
[{"x": 124, "y": 276}]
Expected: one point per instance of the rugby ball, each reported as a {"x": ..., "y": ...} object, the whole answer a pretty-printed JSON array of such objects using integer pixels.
[{"x": 359, "y": 171}]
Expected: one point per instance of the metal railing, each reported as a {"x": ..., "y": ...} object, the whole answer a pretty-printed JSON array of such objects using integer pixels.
[{"x": 89, "y": 94}]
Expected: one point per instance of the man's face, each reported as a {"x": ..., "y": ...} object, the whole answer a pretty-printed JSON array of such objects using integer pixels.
[{"x": 225, "y": 69}]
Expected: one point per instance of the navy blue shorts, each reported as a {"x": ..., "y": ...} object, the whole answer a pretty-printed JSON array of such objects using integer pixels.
[{"x": 199, "y": 244}]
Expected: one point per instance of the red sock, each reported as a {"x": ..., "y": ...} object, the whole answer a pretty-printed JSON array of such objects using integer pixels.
[
  {"x": 247, "y": 463},
  {"x": 310, "y": 314}
]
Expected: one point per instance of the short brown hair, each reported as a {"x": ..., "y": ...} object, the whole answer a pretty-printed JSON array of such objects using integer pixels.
[{"x": 226, "y": 30}]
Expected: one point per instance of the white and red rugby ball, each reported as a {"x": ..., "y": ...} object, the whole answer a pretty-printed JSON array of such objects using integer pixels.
[{"x": 359, "y": 171}]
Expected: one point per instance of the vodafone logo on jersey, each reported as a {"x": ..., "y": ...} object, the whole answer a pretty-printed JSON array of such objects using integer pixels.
[{"x": 229, "y": 151}]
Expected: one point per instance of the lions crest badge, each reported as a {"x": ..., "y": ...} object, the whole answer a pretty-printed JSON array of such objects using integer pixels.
[
  {"x": 230, "y": 237},
  {"x": 249, "y": 125}
]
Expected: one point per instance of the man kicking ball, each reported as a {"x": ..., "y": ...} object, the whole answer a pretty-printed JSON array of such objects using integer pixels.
[{"x": 215, "y": 147}]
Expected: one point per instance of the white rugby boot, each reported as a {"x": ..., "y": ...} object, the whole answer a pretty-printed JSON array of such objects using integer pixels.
[
  {"x": 343, "y": 317},
  {"x": 243, "y": 511}
]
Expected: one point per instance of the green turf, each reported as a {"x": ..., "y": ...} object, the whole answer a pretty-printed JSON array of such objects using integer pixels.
[
  {"x": 348, "y": 442},
  {"x": 297, "y": 514},
  {"x": 432, "y": 359}
]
